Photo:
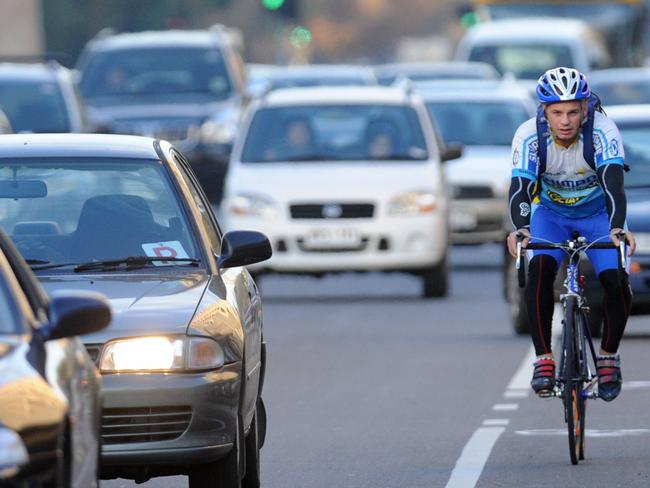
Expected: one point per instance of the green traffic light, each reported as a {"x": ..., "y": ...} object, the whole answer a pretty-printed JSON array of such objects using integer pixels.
[{"x": 272, "y": 4}]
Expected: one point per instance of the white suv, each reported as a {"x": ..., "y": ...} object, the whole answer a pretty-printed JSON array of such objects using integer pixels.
[{"x": 343, "y": 179}]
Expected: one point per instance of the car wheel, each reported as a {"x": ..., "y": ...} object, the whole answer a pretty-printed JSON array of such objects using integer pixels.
[
  {"x": 252, "y": 444},
  {"x": 435, "y": 280},
  {"x": 223, "y": 473},
  {"x": 516, "y": 300}
]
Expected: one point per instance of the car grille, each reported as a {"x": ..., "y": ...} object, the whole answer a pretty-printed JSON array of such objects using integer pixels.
[
  {"x": 360, "y": 247},
  {"x": 144, "y": 424},
  {"x": 462, "y": 192},
  {"x": 332, "y": 211},
  {"x": 176, "y": 132}
]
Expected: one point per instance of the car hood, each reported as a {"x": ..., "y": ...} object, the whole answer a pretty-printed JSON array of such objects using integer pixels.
[
  {"x": 481, "y": 165},
  {"x": 141, "y": 304},
  {"x": 638, "y": 209},
  {"x": 318, "y": 181}
]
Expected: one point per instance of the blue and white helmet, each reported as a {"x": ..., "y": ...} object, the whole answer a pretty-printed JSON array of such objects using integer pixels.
[{"x": 562, "y": 85}]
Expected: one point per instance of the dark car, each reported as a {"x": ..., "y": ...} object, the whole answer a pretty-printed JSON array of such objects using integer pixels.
[
  {"x": 387, "y": 74},
  {"x": 183, "y": 361},
  {"x": 320, "y": 75},
  {"x": 41, "y": 97},
  {"x": 182, "y": 86},
  {"x": 50, "y": 403}
]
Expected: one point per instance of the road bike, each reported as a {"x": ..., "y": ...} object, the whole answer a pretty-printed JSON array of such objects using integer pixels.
[{"x": 577, "y": 378}]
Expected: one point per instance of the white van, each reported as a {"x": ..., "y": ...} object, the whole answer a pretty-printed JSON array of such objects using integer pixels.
[
  {"x": 342, "y": 179},
  {"x": 527, "y": 47}
]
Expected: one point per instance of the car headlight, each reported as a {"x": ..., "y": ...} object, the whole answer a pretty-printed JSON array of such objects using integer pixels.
[
  {"x": 218, "y": 131},
  {"x": 161, "y": 353},
  {"x": 247, "y": 205},
  {"x": 413, "y": 203},
  {"x": 13, "y": 454}
]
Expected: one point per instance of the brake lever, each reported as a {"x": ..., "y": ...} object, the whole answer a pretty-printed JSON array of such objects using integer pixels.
[{"x": 622, "y": 241}]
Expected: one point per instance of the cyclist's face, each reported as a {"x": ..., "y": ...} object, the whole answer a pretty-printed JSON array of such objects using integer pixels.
[{"x": 564, "y": 120}]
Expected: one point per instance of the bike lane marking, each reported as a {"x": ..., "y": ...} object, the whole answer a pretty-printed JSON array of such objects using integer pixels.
[{"x": 476, "y": 452}]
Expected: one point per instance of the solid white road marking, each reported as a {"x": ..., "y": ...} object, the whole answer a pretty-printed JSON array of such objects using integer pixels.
[
  {"x": 505, "y": 407},
  {"x": 636, "y": 385},
  {"x": 494, "y": 422},
  {"x": 472, "y": 460},
  {"x": 588, "y": 432}
]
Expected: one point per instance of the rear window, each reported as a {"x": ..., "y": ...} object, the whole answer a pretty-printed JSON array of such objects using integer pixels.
[
  {"x": 335, "y": 133},
  {"x": 34, "y": 107},
  {"x": 525, "y": 61}
]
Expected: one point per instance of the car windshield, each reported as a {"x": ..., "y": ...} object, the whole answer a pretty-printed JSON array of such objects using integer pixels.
[
  {"x": 316, "y": 80},
  {"x": 524, "y": 61},
  {"x": 80, "y": 210},
  {"x": 34, "y": 106},
  {"x": 335, "y": 132},
  {"x": 8, "y": 323},
  {"x": 621, "y": 92},
  {"x": 478, "y": 123},
  {"x": 156, "y": 71},
  {"x": 636, "y": 143}
]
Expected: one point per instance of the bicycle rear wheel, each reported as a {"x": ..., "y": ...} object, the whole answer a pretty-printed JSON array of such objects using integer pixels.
[{"x": 573, "y": 402}]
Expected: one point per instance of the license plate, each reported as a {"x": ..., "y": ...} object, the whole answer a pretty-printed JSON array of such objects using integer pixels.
[
  {"x": 462, "y": 220},
  {"x": 320, "y": 238}
]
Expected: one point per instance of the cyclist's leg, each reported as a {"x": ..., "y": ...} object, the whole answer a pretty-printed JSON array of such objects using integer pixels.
[
  {"x": 617, "y": 297},
  {"x": 542, "y": 269}
]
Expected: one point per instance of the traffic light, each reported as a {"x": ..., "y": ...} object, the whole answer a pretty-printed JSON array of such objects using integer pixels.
[{"x": 286, "y": 8}]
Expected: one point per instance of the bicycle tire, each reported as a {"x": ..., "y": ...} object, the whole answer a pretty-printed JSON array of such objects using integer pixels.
[
  {"x": 582, "y": 322},
  {"x": 572, "y": 384}
]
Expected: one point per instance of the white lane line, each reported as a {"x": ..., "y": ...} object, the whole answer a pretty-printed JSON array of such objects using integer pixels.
[
  {"x": 636, "y": 385},
  {"x": 495, "y": 422},
  {"x": 472, "y": 460},
  {"x": 505, "y": 407},
  {"x": 588, "y": 432}
]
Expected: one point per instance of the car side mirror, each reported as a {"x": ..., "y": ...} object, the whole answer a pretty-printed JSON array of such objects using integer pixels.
[
  {"x": 453, "y": 150},
  {"x": 243, "y": 247},
  {"x": 77, "y": 313}
]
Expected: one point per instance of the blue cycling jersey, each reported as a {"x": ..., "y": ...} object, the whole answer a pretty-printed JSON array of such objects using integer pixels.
[{"x": 569, "y": 186}]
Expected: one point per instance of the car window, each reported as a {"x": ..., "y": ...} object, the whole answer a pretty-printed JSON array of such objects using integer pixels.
[
  {"x": 525, "y": 61},
  {"x": 622, "y": 92},
  {"x": 79, "y": 210},
  {"x": 156, "y": 71},
  {"x": 636, "y": 144},
  {"x": 11, "y": 301},
  {"x": 34, "y": 106},
  {"x": 202, "y": 206},
  {"x": 335, "y": 132},
  {"x": 478, "y": 123}
]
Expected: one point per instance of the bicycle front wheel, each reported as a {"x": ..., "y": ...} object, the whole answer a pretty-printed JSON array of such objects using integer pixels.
[{"x": 573, "y": 402}]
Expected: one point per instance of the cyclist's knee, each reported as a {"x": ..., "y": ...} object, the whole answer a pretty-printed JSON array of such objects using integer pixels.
[{"x": 615, "y": 283}]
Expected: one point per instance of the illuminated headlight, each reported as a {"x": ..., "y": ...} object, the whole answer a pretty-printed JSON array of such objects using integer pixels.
[
  {"x": 218, "y": 131},
  {"x": 413, "y": 203},
  {"x": 642, "y": 242},
  {"x": 161, "y": 353},
  {"x": 253, "y": 206}
]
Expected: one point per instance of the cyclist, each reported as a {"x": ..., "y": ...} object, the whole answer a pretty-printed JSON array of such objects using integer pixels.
[{"x": 560, "y": 185}]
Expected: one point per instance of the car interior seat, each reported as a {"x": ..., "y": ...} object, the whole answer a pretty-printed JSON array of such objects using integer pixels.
[{"x": 113, "y": 227}]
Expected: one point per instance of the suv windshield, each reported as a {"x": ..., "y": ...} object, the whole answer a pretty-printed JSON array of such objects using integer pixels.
[
  {"x": 335, "y": 132},
  {"x": 156, "y": 71},
  {"x": 80, "y": 210},
  {"x": 478, "y": 123},
  {"x": 34, "y": 106},
  {"x": 525, "y": 61}
]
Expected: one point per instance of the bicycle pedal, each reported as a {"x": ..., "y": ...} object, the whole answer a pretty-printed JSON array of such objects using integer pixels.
[{"x": 545, "y": 393}]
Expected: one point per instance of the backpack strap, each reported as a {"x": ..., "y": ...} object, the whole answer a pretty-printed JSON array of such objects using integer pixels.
[{"x": 542, "y": 140}]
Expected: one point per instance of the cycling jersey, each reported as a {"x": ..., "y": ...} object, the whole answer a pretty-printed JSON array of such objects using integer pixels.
[{"x": 569, "y": 186}]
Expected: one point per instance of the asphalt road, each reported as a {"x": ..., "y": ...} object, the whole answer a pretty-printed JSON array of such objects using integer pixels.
[{"x": 370, "y": 386}]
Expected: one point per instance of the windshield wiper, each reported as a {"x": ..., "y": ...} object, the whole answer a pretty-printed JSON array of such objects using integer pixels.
[
  {"x": 132, "y": 262},
  {"x": 36, "y": 261}
]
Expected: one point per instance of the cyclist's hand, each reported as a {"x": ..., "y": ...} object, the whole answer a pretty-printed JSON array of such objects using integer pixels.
[
  {"x": 613, "y": 235},
  {"x": 512, "y": 240}
]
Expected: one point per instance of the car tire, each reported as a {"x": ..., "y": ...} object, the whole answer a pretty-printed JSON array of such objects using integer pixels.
[
  {"x": 435, "y": 280},
  {"x": 223, "y": 473},
  {"x": 516, "y": 300},
  {"x": 252, "y": 446}
]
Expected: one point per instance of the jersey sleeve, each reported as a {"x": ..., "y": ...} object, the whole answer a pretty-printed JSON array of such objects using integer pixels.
[
  {"x": 608, "y": 145},
  {"x": 525, "y": 160}
]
